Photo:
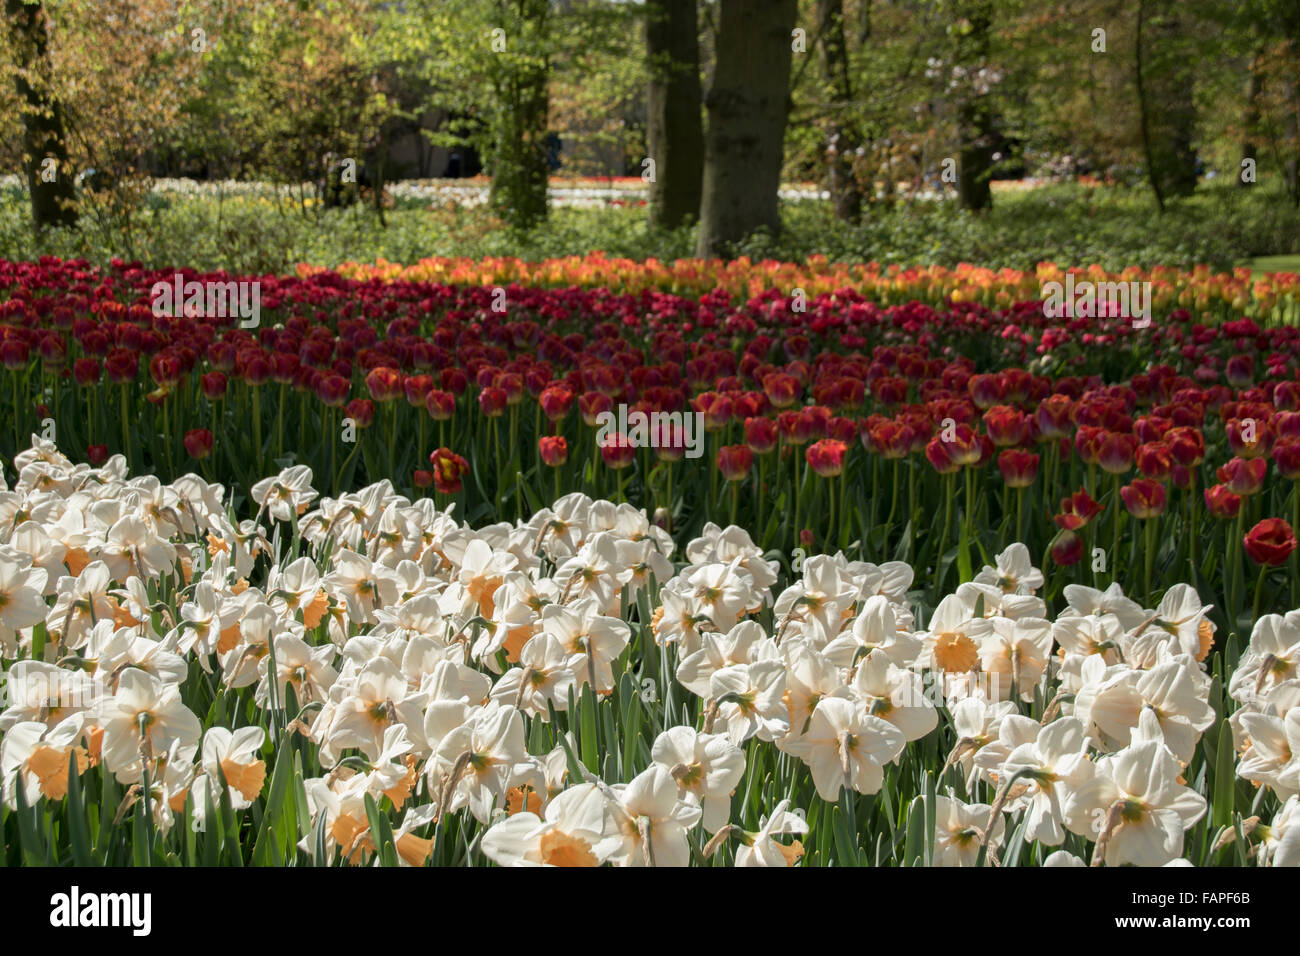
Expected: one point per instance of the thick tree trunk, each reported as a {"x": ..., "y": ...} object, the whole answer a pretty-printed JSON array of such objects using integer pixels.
[
  {"x": 975, "y": 116},
  {"x": 842, "y": 140},
  {"x": 674, "y": 127},
  {"x": 748, "y": 104},
  {"x": 1164, "y": 84},
  {"x": 519, "y": 163},
  {"x": 54, "y": 201},
  {"x": 1250, "y": 117}
]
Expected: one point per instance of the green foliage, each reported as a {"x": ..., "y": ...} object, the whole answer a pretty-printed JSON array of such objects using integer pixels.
[{"x": 1114, "y": 227}]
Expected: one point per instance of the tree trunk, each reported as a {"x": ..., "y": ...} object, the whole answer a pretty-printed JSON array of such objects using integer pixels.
[
  {"x": 1165, "y": 80},
  {"x": 748, "y": 104},
  {"x": 1144, "y": 110},
  {"x": 54, "y": 201},
  {"x": 842, "y": 140},
  {"x": 674, "y": 126},
  {"x": 1250, "y": 119},
  {"x": 519, "y": 162},
  {"x": 975, "y": 116}
]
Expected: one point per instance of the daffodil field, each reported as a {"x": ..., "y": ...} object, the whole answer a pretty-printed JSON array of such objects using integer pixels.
[{"x": 395, "y": 577}]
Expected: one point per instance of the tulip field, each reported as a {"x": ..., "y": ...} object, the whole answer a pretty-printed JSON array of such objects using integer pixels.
[{"x": 590, "y": 561}]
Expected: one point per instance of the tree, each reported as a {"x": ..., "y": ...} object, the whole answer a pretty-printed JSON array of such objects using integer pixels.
[
  {"x": 45, "y": 151},
  {"x": 842, "y": 140},
  {"x": 748, "y": 103},
  {"x": 674, "y": 127},
  {"x": 519, "y": 70},
  {"x": 975, "y": 116},
  {"x": 1164, "y": 86}
]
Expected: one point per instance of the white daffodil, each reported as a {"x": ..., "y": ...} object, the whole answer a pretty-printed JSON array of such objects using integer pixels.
[
  {"x": 650, "y": 821},
  {"x": 845, "y": 746},
  {"x": 235, "y": 755},
  {"x": 570, "y": 832},
  {"x": 1134, "y": 804},
  {"x": 1015, "y": 572},
  {"x": 143, "y": 719},
  {"x": 763, "y": 849},
  {"x": 958, "y": 830},
  {"x": 286, "y": 495},
  {"x": 707, "y": 768}
]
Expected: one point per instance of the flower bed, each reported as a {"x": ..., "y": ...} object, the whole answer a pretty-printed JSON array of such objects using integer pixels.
[{"x": 367, "y": 679}]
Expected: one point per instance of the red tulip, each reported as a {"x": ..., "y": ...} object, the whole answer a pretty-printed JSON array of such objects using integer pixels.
[
  {"x": 1019, "y": 468},
  {"x": 493, "y": 401},
  {"x": 760, "y": 434},
  {"x": 826, "y": 457},
  {"x": 454, "y": 380},
  {"x": 440, "y": 405},
  {"x": 198, "y": 443},
  {"x": 85, "y": 371},
  {"x": 1286, "y": 456},
  {"x": 1249, "y": 437},
  {"x": 385, "y": 384},
  {"x": 361, "y": 411},
  {"x": 1087, "y": 442},
  {"x": 1154, "y": 460},
  {"x": 213, "y": 385},
  {"x": 616, "y": 451},
  {"x": 333, "y": 390},
  {"x": 1053, "y": 416},
  {"x": 14, "y": 354},
  {"x": 97, "y": 454},
  {"x": 781, "y": 390},
  {"x": 1186, "y": 445},
  {"x": 448, "y": 469},
  {"x": 1240, "y": 371},
  {"x": 937, "y": 453},
  {"x": 422, "y": 478},
  {"x": 1221, "y": 502},
  {"x": 592, "y": 405},
  {"x": 1243, "y": 476},
  {"x": 1270, "y": 542},
  {"x": 1007, "y": 426},
  {"x": 417, "y": 389},
  {"x": 1115, "y": 454},
  {"x": 554, "y": 450},
  {"x": 735, "y": 461},
  {"x": 985, "y": 390},
  {"x": 1067, "y": 548},
  {"x": 1144, "y": 498},
  {"x": 1077, "y": 510},
  {"x": 556, "y": 400}
]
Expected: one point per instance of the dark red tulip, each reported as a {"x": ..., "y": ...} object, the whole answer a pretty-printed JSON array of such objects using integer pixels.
[
  {"x": 1243, "y": 476},
  {"x": 1019, "y": 468},
  {"x": 198, "y": 443},
  {"x": 1144, "y": 498},
  {"x": 1270, "y": 542},
  {"x": 1222, "y": 503},
  {"x": 361, "y": 411},
  {"x": 735, "y": 461}
]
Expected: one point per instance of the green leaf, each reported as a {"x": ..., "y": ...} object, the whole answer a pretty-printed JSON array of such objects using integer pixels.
[
  {"x": 1224, "y": 778},
  {"x": 75, "y": 808}
]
